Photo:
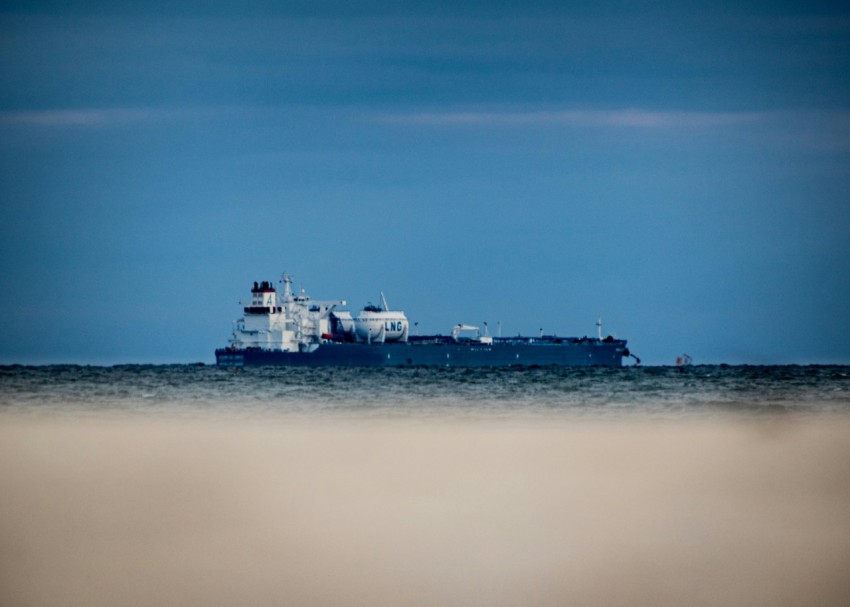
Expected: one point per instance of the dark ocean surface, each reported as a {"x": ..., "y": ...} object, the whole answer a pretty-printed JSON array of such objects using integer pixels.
[{"x": 191, "y": 390}]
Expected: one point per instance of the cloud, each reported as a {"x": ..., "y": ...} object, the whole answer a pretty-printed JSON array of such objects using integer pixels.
[
  {"x": 808, "y": 129},
  {"x": 87, "y": 117},
  {"x": 76, "y": 117},
  {"x": 804, "y": 129},
  {"x": 634, "y": 118}
]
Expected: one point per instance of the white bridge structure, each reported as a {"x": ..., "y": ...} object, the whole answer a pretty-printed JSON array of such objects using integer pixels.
[{"x": 296, "y": 323}]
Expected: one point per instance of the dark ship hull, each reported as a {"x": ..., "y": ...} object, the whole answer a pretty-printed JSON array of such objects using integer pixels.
[{"x": 442, "y": 352}]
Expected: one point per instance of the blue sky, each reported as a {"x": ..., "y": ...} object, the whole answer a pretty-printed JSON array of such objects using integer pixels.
[{"x": 684, "y": 172}]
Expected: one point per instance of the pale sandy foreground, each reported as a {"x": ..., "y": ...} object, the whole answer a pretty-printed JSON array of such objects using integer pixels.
[{"x": 305, "y": 512}]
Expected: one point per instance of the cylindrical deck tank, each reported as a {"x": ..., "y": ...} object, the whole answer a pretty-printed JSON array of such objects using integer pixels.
[{"x": 373, "y": 325}]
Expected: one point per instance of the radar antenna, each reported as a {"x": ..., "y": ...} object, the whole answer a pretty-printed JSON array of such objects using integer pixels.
[{"x": 286, "y": 279}]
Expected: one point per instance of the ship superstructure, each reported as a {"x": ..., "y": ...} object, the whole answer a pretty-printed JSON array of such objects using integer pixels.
[
  {"x": 285, "y": 323},
  {"x": 293, "y": 329}
]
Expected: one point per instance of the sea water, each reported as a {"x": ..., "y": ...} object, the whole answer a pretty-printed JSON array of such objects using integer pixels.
[{"x": 670, "y": 392}]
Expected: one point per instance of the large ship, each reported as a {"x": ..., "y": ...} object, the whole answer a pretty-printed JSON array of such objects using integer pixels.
[{"x": 293, "y": 329}]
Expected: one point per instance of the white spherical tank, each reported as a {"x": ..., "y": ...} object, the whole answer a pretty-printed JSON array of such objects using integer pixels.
[{"x": 375, "y": 325}]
